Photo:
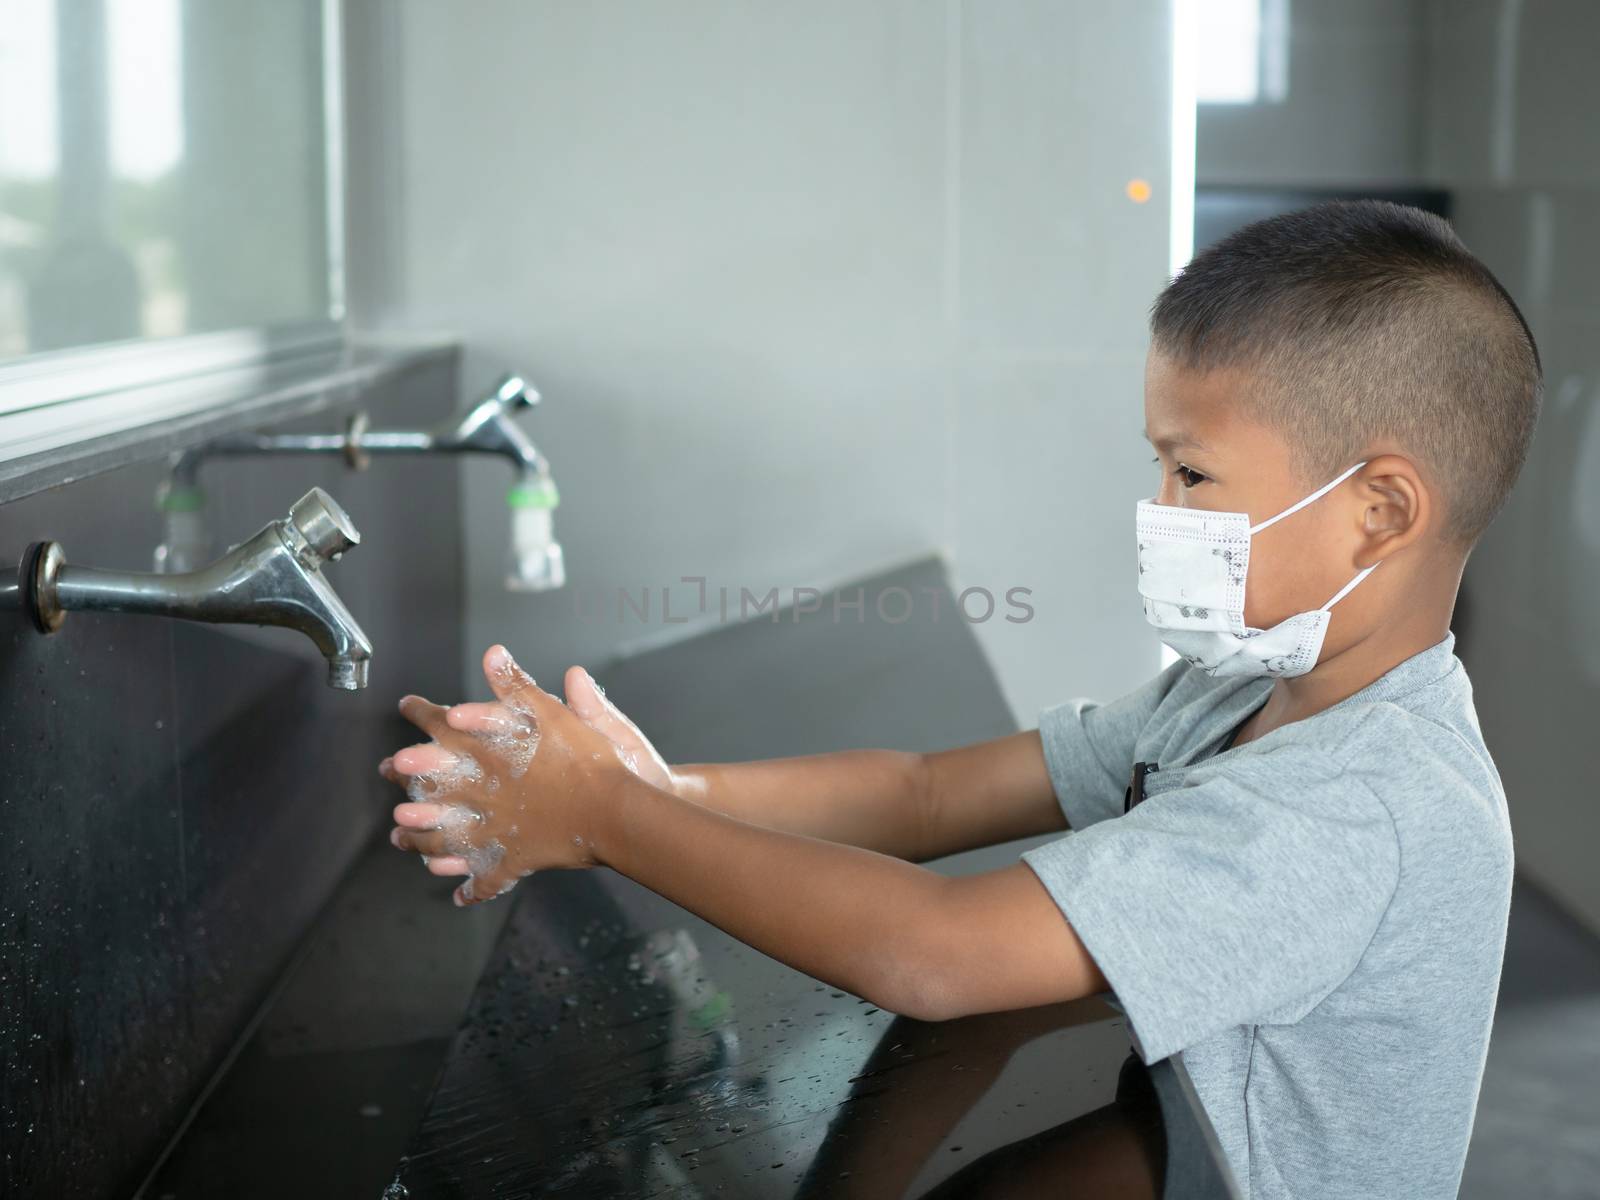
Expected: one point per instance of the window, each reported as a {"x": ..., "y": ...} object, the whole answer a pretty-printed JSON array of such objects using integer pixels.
[
  {"x": 1243, "y": 52},
  {"x": 164, "y": 173}
]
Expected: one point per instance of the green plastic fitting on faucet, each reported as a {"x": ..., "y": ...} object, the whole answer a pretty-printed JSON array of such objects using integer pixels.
[
  {"x": 179, "y": 498},
  {"x": 538, "y": 493},
  {"x": 713, "y": 1010}
]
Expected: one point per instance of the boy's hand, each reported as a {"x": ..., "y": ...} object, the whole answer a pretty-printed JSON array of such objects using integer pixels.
[
  {"x": 510, "y": 787},
  {"x": 585, "y": 698}
]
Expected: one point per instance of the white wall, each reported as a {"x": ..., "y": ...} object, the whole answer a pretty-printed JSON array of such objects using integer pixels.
[{"x": 810, "y": 290}]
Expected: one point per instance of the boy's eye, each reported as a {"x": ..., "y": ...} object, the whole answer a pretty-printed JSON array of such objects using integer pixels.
[{"x": 1187, "y": 476}]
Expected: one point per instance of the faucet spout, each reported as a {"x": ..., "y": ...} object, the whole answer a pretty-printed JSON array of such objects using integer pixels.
[
  {"x": 487, "y": 427},
  {"x": 274, "y": 578}
]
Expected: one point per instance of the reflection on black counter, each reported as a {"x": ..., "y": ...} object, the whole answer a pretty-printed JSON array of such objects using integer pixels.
[{"x": 617, "y": 1046}]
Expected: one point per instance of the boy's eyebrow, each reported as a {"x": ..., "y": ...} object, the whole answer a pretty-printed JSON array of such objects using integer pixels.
[{"x": 1174, "y": 441}]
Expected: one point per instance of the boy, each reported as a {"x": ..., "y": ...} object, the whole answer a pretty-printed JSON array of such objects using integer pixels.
[{"x": 1305, "y": 884}]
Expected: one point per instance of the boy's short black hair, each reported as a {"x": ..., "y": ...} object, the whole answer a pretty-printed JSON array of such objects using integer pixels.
[{"x": 1363, "y": 320}]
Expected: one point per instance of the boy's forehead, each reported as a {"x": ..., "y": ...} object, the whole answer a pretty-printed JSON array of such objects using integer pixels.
[{"x": 1188, "y": 408}]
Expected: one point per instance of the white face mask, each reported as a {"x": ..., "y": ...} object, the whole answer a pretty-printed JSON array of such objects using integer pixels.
[{"x": 1192, "y": 568}]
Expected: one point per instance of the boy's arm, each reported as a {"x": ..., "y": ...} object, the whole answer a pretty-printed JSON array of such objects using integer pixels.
[
  {"x": 912, "y": 806},
  {"x": 905, "y": 938}
]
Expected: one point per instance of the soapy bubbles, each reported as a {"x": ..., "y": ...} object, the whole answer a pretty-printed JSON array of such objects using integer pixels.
[
  {"x": 509, "y": 736},
  {"x": 514, "y": 737},
  {"x": 507, "y": 731},
  {"x": 454, "y": 770}
]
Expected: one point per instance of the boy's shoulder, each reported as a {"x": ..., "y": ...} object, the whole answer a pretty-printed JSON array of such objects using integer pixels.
[
  {"x": 1409, "y": 741},
  {"x": 1426, "y": 696},
  {"x": 1411, "y": 737}
]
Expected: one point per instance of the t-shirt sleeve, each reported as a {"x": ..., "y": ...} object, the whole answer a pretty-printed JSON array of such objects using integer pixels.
[
  {"x": 1088, "y": 748},
  {"x": 1241, "y": 899}
]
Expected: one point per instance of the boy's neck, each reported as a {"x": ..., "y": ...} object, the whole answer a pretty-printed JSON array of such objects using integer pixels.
[{"x": 1340, "y": 676}]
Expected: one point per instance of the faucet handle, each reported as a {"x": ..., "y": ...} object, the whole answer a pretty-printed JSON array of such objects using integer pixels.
[
  {"x": 325, "y": 526},
  {"x": 514, "y": 392}
]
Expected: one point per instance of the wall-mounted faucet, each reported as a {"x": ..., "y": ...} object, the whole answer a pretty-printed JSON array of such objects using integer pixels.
[
  {"x": 485, "y": 427},
  {"x": 275, "y": 578}
]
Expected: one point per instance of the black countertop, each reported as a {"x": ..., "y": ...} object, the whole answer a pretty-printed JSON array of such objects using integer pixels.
[{"x": 616, "y": 1045}]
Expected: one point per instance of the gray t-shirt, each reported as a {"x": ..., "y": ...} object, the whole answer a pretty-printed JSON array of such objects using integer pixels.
[{"x": 1315, "y": 918}]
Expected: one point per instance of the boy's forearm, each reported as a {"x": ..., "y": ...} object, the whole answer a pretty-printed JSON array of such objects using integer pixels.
[
  {"x": 792, "y": 896},
  {"x": 992, "y": 792},
  {"x": 874, "y": 799},
  {"x": 912, "y": 806},
  {"x": 899, "y": 935}
]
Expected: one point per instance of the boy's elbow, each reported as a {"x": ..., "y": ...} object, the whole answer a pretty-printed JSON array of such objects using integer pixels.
[
  {"x": 935, "y": 978},
  {"x": 924, "y": 984},
  {"x": 921, "y": 999},
  {"x": 944, "y": 994}
]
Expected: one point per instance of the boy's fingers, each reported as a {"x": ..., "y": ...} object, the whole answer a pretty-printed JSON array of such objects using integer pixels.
[
  {"x": 449, "y": 864},
  {"x": 512, "y": 685},
  {"x": 386, "y": 769},
  {"x": 423, "y": 841},
  {"x": 583, "y": 696},
  {"x": 424, "y": 714},
  {"x": 596, "y": 711},
  {"x": 419, "y": 816},
  {"x": 423, "y": 760},
  {"x": 487, "y": 886},
  {"x": 586, "y": 699},
  {"x": 486, "y": 718}
]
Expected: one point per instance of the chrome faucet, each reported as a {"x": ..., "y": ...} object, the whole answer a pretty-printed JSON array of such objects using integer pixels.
[
  {"x": 484, "y": 427},
  {"x": 274, "y": 578}
]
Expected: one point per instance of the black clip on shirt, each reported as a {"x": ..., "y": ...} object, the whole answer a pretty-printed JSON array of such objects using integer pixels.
[{"x": 1133, "y": 794}]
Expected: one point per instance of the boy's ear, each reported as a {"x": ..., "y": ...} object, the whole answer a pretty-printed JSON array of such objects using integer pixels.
[{"x": 1396, "y": 507}]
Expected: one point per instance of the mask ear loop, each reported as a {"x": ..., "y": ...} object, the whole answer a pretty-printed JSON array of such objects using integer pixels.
[
  {"x": 1315, "y": 496},
  {"x": 1350, "y": 587}
]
